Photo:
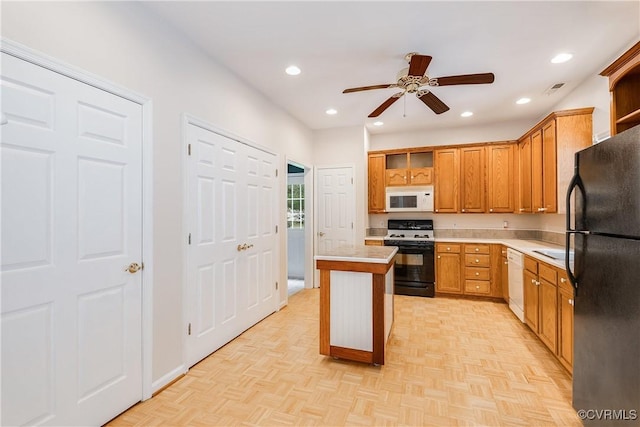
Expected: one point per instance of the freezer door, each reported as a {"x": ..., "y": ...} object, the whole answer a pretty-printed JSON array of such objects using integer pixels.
[
  {"x": 606, "y": 367},
  {"x": 610, "y": 175}
]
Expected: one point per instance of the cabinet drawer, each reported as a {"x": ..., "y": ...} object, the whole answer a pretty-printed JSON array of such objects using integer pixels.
[
  {"x": 373, "y": 242},
  {"x": 563, "y": 282},
  {"x": 448, "y": 247},
  {"x": 474, "y": 260},
  {"x": 547, "y": 273},
  {"x": 531, "y": 264},
  {"x": 477, "y": 287},
  {"x": 476, "y": 249},
  {"x": 477, "y": 273}
]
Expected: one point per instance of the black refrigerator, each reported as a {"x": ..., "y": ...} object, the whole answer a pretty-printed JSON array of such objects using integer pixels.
[{"x": 606, "y": 278}]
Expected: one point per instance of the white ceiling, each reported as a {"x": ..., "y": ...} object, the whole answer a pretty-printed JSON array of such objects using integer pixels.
[{"x": 345, "y": 44}]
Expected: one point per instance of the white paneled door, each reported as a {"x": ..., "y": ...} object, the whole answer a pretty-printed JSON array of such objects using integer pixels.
[
  {"x": 71, "y": 224},
  {"x": 232, "y": 253},
  {"x": 336, "y": 207}
]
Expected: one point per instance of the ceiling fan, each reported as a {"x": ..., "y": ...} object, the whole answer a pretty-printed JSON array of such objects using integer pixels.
[{"x": 413, "y": 78}]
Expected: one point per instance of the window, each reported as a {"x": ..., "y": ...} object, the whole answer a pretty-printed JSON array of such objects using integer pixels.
[{"x": 295, "y": 206}]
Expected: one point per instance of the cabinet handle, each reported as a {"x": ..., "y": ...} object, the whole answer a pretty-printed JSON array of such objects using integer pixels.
[
  {"x": 438, "y": 256},
  {"x": 571, "y": 302},
  {"x": 462, "y": 210},
  {"x": 448, "y": 248},
  {"x": 506, "y": 263},
  {"x": 477, "y": 249},
  {"x": 542, "y": 209},
  {"x": 436, "y": 210},
  {"x": 504, "y": 252},
  {"x": 477, "y": 260},
  {"x": 563, "y": 280},
  {"x": 477, "y": 274},
  {"x": 537, "y": 283},
  {"x": 533, "y": 281},
  {"x": 522, "y": 209},
  {"x": 490, "y": 210},
  {"x": 477, "y": 287},
  {"x": 412, "y": 177}
]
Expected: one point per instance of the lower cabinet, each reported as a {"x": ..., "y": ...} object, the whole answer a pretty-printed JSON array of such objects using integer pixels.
[
  {"x": 565, "y": 321},
  {"x": 448, "y": 268},
  {"x": 469, "y": 269},
  {"x": 548, "y": 308},
  {"x": 373, "y": 242}
]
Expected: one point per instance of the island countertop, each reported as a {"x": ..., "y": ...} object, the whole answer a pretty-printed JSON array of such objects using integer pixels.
[{"x": 366, "y": 254}]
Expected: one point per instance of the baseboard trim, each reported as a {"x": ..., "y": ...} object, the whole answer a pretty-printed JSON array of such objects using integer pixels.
[{"x": 168, "y": 379}]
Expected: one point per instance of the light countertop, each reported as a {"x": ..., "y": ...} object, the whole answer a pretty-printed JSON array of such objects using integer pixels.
[
  {"x": 368, "y": 254},
  {"x": 524, "y": 246}
]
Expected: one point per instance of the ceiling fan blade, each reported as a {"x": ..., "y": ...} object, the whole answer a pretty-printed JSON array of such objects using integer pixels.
[
  {"x": 360, "y": 89},
  {"x": 432, "y": 101},
  {"x": 418, "y": 65},
  {"x": 466, "y": 79},
  {"x": 386, "y": 104}
]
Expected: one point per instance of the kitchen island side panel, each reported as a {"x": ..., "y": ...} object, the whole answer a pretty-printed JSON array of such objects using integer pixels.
[{"x": 351, "y": 310}]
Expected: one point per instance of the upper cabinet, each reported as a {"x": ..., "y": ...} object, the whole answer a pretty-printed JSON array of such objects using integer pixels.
[
  {"x": 501, "y": 178},
  {"x": 476, "y": 178},
  {"x": 624, "y": 85},
  {"x": 472, "y": 179},
  {"x": 396, "y": 168},
  {"x": 547, "y": 156},
  {"x": 376, "y": 166},
  {"x": 409, "y": 168},
  {"x": 447, "y": 175}
]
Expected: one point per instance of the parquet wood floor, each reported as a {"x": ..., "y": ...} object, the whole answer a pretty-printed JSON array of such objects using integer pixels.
[{"x": 449, "y": 362}]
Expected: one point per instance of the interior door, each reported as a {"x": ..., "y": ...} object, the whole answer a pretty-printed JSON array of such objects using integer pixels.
[
  {"x": 336, "y": 207},
  {"x": 232, "y": 252},
  {"x": 71, "y": 224}
]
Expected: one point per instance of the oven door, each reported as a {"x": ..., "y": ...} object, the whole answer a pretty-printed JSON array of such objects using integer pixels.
[{"x": 414, "y": 266}]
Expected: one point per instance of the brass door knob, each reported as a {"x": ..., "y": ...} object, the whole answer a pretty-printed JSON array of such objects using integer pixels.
[{"x": 133, "y": 267}]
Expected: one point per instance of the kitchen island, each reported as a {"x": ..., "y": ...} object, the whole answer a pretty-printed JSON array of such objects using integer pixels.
[{"x": 356, "y": 301}]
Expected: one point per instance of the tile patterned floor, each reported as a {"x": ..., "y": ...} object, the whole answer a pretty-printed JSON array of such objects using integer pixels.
[{"x": 450, "y": 362}]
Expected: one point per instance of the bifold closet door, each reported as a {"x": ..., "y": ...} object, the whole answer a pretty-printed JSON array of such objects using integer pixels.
[
  {"x": 232, "y": 255},
  {"x": 71, "y": 224}
]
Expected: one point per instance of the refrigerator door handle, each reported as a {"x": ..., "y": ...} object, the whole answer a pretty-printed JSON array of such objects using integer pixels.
[{"x": 576, "y": 181}]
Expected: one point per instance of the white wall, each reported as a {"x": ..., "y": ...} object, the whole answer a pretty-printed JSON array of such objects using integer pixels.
[
  {"x": 128, "y": 45},
  {"x": 341, "y": 146}
]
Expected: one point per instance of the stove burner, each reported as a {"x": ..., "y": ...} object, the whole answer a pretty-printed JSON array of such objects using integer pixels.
[{"x": 397, "y": 235}]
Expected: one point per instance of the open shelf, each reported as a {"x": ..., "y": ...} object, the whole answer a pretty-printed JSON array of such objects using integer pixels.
[{"x": 632, "y": 117}]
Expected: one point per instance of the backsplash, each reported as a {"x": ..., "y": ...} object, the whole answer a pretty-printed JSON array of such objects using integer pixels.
[{"x": 479, "y": 233}]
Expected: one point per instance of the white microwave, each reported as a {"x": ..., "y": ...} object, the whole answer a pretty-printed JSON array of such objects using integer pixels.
[{"x": 409, "y": 199}]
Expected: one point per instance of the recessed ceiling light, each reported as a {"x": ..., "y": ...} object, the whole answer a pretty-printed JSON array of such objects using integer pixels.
[
  {"x": 466, "y": 114},
  {"x": 331, "y": 111},
  {"x": 292, "y": 70},
  {"x": 523, "y": 101},
  {"x": 561, "y": 57},
  {"x": 378, "y": 123}
]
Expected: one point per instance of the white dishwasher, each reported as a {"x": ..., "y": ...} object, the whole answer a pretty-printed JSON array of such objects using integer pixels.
[{"x": 516, "y": 286}]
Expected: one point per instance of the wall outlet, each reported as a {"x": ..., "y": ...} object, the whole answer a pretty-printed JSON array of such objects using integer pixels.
[{"x": 505, "y": 224}]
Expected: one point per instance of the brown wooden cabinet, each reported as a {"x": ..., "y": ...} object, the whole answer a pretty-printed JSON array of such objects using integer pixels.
[
  {"x": 500, "y": 178},
  {"x": 547, "y": 156},
  {"x": 472, "y": 179},
  {"x": 624, "y": 85},
  {"x": 373, "y": 242},
  {"x": 565, "y": 321},
  {"x": 376, "y": 186},
  {"x": 525, "y": 181},
  {"x": 477, "y": 273},
  {"x": 531, "y": 296},
  {"x": 409, "y": 168},
  {"x": 448, "y": 268},
  {"x": 447, "y": 175},
  {"x": 547, "y": 329}
]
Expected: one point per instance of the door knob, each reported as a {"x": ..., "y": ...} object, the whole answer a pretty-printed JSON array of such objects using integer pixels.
[
  {"x": 320, "y": 233},
  {"x": 133, "y": 267}
]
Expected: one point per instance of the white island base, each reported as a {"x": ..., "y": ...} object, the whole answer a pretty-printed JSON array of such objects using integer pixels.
[{"x": 356, "y": 302}]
